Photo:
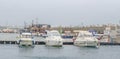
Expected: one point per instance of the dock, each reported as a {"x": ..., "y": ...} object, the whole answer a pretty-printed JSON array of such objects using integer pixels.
[{"x": 41, "y": 42}]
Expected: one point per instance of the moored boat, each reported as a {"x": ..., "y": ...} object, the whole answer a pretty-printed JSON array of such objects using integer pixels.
[
  {"x": 53, "y": 39},
  {"x": 85, "y": 38},
  {"x": 26, "y": 39}
]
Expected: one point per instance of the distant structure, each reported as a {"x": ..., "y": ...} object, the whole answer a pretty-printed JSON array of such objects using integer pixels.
[
  {"x": 38, "y": 28},
  {"x": 8, "y": 29}
]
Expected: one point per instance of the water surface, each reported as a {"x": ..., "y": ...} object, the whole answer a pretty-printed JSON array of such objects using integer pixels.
[{"x": 65, "y": 52}]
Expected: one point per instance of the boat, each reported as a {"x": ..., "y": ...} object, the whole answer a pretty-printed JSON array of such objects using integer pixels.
[
  {"x": 53, "y": 39},
  {"x": 26, "y": 39},
  {"x": 67, "y": 37},
  {"x": 103, "y": 38},
  {"x": 86, "y": 39}
]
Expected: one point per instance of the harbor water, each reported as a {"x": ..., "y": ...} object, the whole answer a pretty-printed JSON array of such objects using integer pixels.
[
  {"x": 65, "y": 52},
  {"x": 12, "y": 51}
]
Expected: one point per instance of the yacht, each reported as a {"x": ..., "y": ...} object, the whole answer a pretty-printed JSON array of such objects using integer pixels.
[
  {"x": 85, "y": 38},
  {"x": 26, "y": 39},
  {"x": 53, "y": 39}
]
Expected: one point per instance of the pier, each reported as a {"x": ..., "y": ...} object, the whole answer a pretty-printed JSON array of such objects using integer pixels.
[{"x": 41, "y": 42}]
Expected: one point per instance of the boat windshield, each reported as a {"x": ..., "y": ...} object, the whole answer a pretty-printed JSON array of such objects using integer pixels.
[
  {"x": 26, "y": 36},
  {"x": 54, "y": 34}
]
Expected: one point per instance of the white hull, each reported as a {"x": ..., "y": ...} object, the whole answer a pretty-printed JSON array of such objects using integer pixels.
[
  {"x": 86, "y": 43},
  {"x": 26, "y": 43},
  {"x": 54, "y": 43}
]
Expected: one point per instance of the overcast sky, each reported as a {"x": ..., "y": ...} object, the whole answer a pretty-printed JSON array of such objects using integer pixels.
[{"x": 59, "y": 12}]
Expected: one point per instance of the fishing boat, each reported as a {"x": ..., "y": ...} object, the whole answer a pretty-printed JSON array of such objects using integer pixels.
[
  {"x": 26, "y": 39},
  {"x": 53, "y": 39},
  {"x": 85, "y": 38}
]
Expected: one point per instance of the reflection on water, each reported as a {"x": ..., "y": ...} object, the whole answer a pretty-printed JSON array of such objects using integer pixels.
[
  {"x": 25, "y": 50},
  {"x": 65, "y": 52}
]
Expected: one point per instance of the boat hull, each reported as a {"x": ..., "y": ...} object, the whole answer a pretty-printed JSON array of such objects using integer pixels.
[
  {"x": 86, "y": 43},
  {"x": 26, "y": 43},
  {"x": 54, "y": 43}
]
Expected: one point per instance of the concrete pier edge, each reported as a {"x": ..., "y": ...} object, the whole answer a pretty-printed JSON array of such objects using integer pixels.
[{"x": 64, "y": 43}]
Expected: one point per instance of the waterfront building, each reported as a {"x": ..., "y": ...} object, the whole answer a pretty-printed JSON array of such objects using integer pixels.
[{"x": 38, "y": 28}]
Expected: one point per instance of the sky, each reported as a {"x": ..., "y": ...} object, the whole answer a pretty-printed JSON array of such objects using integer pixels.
[{"x": 59, "y": 12}]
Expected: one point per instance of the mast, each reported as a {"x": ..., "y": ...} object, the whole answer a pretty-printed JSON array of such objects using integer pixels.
[
  {"x": 32, "y": 23},
  {"x": 36, "y": 20},
  {"x": 25, "y": 25}
]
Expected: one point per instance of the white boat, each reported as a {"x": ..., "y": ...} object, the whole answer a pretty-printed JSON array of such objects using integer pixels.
[
  {"x": 85, "y": 38},
  {"x": 53, "y": 39},
  {"x": 26, "y": 39}
]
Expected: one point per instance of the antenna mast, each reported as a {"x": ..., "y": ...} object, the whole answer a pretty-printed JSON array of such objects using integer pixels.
[{"x": 36, "y": 20}]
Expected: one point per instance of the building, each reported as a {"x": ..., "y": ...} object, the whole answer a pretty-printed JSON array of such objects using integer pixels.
[{"x": 39, "y": 28}]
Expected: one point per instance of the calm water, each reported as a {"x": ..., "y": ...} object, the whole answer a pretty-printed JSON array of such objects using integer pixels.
[{"x": 65, "y": 52}]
